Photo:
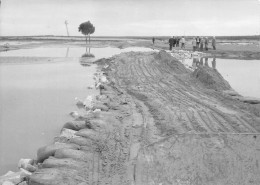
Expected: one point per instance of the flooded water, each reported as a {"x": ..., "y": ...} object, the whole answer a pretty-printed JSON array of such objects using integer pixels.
[
  {"x": 69, "y": 52},
  {"x": 242, "y": 75},
  {"x": 37, "y": 96},
  {"x": 35, "y": 102}
]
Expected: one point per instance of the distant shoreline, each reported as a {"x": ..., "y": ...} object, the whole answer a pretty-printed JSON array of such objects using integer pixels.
[{"x": 247, "y": 37}]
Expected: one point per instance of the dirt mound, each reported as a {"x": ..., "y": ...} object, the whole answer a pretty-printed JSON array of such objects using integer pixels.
[
  {"x": 168, "y": 61},
  {"x": 211, "y": 78}
]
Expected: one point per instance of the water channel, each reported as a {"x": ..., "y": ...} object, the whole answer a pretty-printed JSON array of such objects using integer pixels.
[{"x": 242, "y": 75}]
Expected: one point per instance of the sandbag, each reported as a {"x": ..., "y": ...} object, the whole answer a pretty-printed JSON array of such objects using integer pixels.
[
  {"x": 88, "y": 133},
  {"x": 57, "y": 176},
  {"x": 113, "y": 105},
  {"x": 101, "y": 106},
  {"x": 27, "y": 164},
  {"x": 59, "y": 139},
  {"x": 88, "y": 102},
  {"x": 53, "y": 162},
  {"x": 7, "y": 183},
  {"x": 97, "y": 124},
  {"x": 14, "y": 177},
  {"x": 49, "y": 150},
  {"x": 81, "y": 141},
  {"x": 106, "y": 92},
  {"x": 102, "y": 98},
  {"x": 76, "y": 125},
  {"x": 74, "y": 154},
  {"x": 68, "y": 133}
]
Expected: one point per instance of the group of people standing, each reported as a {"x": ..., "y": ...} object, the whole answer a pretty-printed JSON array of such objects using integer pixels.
[
  {"x": 176, "y": 42},
  {"x": 201, "y": 43},
  {"x": 198, "y": 43}
]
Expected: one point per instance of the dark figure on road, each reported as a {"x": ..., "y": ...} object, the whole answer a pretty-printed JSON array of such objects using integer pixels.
[
  {"x": 171, "y": 43},
  {"x": 153, "y": 40},
  {"x": 174, "y": 41},
  {"x": 177, "y": 41},
  {"x": 206, "y": 44},
  {"x": 197, "y": 42},
  {"x": 201, "y": 43}
]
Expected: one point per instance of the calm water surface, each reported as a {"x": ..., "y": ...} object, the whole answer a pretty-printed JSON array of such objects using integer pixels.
[
  {"x": 70, "y": 52},
  {"x": 242, "y": 75}
]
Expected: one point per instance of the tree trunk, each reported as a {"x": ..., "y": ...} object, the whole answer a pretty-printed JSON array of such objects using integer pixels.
[
  {"x": 86, "y": 39},
  {"x": 89, "y": 38}
]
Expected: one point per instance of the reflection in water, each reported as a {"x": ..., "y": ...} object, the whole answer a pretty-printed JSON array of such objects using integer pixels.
[
  {"x": 214, "y": 63},
  {"x": 87, "y": 58},
  {"x": 67, "y": 52},
  {"x": 88, "y": 54},
  {"x": 194, "y": 63},
  {"x": 206, "y": 62},
  {"x": 242, "y": 75},
  {"x": 199, "y": 62}
]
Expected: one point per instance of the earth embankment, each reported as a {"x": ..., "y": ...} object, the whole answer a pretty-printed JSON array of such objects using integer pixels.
[{"x": 159, "y": 123}]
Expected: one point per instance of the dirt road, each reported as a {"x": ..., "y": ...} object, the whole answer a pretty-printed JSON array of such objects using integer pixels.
[{"x": 160, "y": 124}]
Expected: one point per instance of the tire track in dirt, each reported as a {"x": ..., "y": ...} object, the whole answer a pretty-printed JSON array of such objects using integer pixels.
[{"x": 167, "y": 107}]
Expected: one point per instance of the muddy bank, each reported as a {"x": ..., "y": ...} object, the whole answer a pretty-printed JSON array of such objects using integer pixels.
[
  {"x": 192, "y": 132},
  {"x": 248, "y": 50},
  {"x": 155, "y": 122}
]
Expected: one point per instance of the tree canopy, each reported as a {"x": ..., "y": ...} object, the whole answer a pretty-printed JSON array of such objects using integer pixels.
[{"x": 86, "y": 28}]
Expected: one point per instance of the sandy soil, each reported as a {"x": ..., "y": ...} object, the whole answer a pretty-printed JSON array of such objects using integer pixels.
[{"x": 159, "y": 123}]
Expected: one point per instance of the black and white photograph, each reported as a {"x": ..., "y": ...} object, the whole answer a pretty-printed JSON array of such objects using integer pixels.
[{"x": 129, "y": 92}]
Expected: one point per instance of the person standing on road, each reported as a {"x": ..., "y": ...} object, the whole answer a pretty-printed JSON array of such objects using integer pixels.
[
  {"x": 182, "y": 41},
  {"x": 197, "y": 42},
  {"x": 170, "y": 43},
  {"x": 153, "y": 40},
  {"x": 214, "y": 42},
  {"x": 194, "y": 43},
  {"x": 174, "y": 41},
  {"x": 206, "y": 43},
  {"x": 177, "y": 41}
]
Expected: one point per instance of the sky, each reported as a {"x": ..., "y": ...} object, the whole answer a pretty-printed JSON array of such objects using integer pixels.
[{"x": 131, "y": 17}]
